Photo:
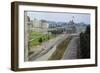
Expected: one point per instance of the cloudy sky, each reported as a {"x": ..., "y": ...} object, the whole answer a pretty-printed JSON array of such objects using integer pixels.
[{"x": 59, "y": 16}]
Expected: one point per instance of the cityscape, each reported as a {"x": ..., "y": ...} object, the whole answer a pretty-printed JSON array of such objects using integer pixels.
[{"x": 56, "y": 36}]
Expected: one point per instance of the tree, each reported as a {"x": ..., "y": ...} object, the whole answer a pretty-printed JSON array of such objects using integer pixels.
[
  {"x": 48, "y": 37},
  {"x": 85, "y": 43},
  {"x": 87, "y": 30},
  {"x": 40, "y": 40}
]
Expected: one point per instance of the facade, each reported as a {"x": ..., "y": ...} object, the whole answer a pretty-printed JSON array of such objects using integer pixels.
[
  {"x": 39, "y": 26},
  {"x": 44, "y": 26},
  {"x": 71, "y": 28},
  {"x": 27, "y": 25},
  {"x": 36, "y": 23}
]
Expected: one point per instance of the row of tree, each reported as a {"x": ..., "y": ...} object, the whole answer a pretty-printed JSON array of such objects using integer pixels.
[{"x": 85, "y": 43}]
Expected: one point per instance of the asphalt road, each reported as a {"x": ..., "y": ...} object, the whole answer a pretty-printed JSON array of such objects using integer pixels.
[
  {"x": 72, "y": 49},
  {"x": 48, "y": 48}
]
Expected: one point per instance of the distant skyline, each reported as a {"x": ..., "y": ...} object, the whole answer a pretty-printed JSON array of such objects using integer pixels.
[{"x": 59, "y": 16}]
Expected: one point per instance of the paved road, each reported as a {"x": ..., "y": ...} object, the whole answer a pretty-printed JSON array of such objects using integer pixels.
[
  {"x": 48, "y": 53},
  {"x": 72, "y": 49},
  {"x": 48, "y": 48}
]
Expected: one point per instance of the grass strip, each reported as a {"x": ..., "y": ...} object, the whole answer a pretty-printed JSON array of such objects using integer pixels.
[
  {"x": 36, "y": 38},
  {"x": 60, "y": 49}
]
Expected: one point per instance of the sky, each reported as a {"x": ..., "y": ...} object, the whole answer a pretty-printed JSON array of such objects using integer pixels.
[{"x": 59, "y": 16}]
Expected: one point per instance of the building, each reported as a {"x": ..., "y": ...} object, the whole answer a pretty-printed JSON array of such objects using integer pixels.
[
  {"x": 71, "y": 28},
  {"x": 44, "y": 26},
  {"x": 36, "y": 23},
  {"x": 27, "y": 25},
  {"x": 39, "y": 26}
]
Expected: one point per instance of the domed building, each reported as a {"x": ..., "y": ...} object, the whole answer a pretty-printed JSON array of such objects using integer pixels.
[{"x": 71, "y": 28}]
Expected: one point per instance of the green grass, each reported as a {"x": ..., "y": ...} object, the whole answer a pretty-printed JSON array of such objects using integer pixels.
[
  {"x": 58, "y": 54},
  {"x": 36, "y": 37}
]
